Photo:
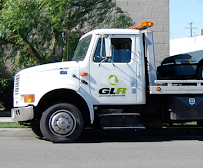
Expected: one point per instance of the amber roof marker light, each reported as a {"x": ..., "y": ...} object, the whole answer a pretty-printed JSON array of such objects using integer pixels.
[{"x": 142, "y": 25}]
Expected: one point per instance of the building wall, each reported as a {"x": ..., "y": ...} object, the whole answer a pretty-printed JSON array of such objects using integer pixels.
[
  {"x": 156, "y": 11},
  {"x": 186, "y": 45}
]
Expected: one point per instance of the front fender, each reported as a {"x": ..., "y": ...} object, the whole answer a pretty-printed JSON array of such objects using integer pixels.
[
  {"x": 43, "y": 79},
  {"x": 86, "y": 96}
]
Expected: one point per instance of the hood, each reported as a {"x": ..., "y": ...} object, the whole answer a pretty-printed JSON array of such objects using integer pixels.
[{"x": 51, "y": 66}]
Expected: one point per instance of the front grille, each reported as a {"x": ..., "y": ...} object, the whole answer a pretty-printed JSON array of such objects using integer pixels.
[{"x": 16, "y": 84}]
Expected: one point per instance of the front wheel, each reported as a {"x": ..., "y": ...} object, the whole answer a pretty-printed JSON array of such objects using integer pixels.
[
  {"x": 62, "y": 123},
  {"x": 36, "y": 129}
]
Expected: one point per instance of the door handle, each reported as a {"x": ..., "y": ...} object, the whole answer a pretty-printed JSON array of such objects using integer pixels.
[{"x": 139, "y": 64}]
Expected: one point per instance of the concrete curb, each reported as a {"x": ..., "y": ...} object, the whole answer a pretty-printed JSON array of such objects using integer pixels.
[
  {"x": 16, "y": 132},
  {"x": 6, "y": 119}
]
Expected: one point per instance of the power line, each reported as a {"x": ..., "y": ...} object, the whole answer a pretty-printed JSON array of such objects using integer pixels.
[
  {"x": 179, "y": 33},
  {"x": 186, "y": 10}
]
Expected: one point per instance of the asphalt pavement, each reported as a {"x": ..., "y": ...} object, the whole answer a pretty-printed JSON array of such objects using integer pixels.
[{"x": 145, "y": 153}]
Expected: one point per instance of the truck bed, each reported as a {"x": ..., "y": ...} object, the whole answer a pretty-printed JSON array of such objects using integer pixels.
[{"x": 177, "y": 87}]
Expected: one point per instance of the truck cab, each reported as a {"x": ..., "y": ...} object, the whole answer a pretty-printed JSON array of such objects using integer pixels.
[{"x": 113, "y": 67}]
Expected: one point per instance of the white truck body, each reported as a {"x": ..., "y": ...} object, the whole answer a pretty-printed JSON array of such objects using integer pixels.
[
  {"x": 42, "y": 79},
  {"x": 110, "y": 73}
]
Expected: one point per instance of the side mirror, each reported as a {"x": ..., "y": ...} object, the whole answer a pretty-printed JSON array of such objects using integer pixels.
[
  {"x": 106, "y": 41},
  {"x": 108, "y": 47}
]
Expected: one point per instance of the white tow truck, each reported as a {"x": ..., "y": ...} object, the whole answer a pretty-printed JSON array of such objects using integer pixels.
[{"x": 111, "y": 83}]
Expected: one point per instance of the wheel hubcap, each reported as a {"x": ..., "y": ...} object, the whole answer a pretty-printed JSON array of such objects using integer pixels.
[{"x": 62, "y": 123}]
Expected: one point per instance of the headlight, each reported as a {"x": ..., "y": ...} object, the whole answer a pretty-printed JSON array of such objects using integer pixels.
[{"x": 182, "y": 60}]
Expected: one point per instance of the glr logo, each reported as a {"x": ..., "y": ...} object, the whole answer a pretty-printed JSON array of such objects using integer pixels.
[
  {"x": 112, "y": 91},
  {"x": 113, "y": 80}
]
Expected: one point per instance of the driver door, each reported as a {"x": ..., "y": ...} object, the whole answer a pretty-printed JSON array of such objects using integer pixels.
[{"x": 113, "y": 70}]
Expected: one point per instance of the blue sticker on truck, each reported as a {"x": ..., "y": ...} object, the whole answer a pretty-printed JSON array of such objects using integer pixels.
[{"x": 63, "y": 72}]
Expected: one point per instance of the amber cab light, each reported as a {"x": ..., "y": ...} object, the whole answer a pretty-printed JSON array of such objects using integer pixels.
[
  {"x": 142, "y": 25},
  {"x": 29, "y": 98},
  {"x": 83, "y": 73}
]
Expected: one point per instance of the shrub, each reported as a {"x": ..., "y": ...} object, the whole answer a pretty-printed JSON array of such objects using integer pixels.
[{"x": 6, "y": 91}]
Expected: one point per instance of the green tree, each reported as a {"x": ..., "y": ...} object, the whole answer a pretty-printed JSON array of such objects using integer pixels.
[
  {"x": 34, "y": 32},
  {"x": 37, "y": 30}
]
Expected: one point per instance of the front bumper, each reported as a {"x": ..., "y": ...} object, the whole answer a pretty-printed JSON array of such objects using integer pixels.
[{"x": 22, "y": 113}]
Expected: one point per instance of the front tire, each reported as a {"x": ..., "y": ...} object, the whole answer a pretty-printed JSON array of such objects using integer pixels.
[
  {"x": 36, "y": 130},
  {"x": 62, "y": 123}
]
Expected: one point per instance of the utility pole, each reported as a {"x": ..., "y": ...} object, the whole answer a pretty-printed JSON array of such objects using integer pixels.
[{"x": 190, "y": 28}]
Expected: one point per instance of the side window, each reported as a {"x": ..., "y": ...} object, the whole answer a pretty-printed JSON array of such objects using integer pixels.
[{"x": 121, "y": 50}]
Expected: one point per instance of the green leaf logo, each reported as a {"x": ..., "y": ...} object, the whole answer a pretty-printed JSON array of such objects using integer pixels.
[{"x": 113, "y": 80}]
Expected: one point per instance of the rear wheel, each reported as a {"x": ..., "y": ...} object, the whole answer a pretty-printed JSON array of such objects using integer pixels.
[{"x": 62, "y": 123}]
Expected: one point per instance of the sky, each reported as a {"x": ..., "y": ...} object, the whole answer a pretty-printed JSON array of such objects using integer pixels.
[{"x": 181, "y": 14}]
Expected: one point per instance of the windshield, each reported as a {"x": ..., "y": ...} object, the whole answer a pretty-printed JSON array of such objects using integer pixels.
[{"x": 81, "y": 49}]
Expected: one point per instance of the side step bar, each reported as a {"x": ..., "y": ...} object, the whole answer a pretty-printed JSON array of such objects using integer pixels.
[
  {"x": 125, "y": 128},
  {"x": 118, "y": 114},
  {"x": 120, "y": 121}
]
